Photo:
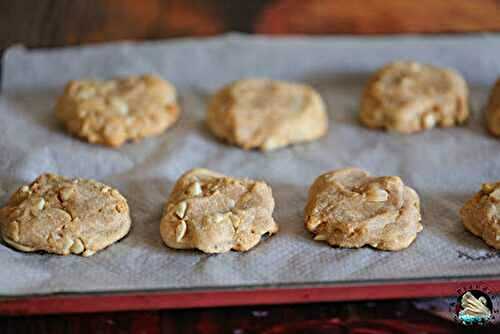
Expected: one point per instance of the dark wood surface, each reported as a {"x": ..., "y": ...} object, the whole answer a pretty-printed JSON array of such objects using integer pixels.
[
  {"x": 357, "y": 318},
  {"x": 378, "y": 16},
  {"x": 47, "y": 23}
]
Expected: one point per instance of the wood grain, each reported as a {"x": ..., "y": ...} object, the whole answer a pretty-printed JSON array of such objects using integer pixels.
[
  {"x": 48, "y": 23},
  {"x": 378, "y": 16},
  {"x": 332, "y": 318}
]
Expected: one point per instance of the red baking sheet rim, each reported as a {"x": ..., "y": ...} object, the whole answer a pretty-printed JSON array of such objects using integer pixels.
[{"x": 176, "y": 299}]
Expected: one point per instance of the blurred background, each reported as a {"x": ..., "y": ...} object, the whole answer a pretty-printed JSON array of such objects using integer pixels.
[{"x": 49, "y": 23}]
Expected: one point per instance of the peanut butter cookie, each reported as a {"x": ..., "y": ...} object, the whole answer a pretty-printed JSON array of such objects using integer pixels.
[
  {"x": 215, "y": 213},
  {"x": 350, "y": 208},
  {"x": 493, "y": 110},
  {"x": 481, "y": 214},
  {"x": 115, "y": 111},
  {"x": 407, "y": 97},
  {"x": 267, "y": 114},
  {"x": 63, "y": 216}
]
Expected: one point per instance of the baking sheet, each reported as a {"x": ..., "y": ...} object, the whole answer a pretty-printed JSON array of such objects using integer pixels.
[{"x": 445, "y": 166}]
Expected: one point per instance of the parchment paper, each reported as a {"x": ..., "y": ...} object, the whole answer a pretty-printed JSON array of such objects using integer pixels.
[{"x": 445, "y": 166}]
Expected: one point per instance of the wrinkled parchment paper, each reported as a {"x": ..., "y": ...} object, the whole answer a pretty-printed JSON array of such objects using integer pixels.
[{"x": 445, "y": 166}]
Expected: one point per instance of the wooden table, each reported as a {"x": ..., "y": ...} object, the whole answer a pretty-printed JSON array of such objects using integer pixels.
[
  {"x": 332, "y": 318},
  {"x": 49, "y": 23}
]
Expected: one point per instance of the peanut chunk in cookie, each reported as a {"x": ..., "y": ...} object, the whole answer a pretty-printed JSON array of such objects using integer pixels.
[
  {"x": 407, "y": 97},
  {"x": 481, "y": 214},
  {"x": 115, "y": 111},
  {"x": 62, "y": 216},
  {"x": 267, "y": 114},
  {"x": 350, "y": 208},
  {"x": 216, "y": 213}
]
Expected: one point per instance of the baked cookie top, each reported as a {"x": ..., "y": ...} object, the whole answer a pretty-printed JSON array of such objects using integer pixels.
[
  {"x": 493, "y": 110},
  {"x": 350, "y": 208},
  {"x": 406, "y": 96},
  {"x": 216, "y": 213},
  {"x": 63, "y": 216},
  {"x": 114, "y": 111},
  {"x": 267, "y": 114},
  {"x": 481, "y": 214}
]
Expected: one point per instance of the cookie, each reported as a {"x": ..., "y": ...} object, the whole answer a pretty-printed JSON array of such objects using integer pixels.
[
  {"x": 408, "y": 97},
  {"x": 481, "y": 214},
  {"x": 115, "y": 111},
  {"x": 493, "y": 110},
  {"x": 350, "y": 208},
  {"x": 62, "y": 216},
  {"x": 216, "y": 213},
  {"x": 266, "y": 114}
]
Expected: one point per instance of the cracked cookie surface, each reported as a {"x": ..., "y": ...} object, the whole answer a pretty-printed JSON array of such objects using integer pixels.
[
  {"x": 114, "y": 111},
  {"x": 350, "y": 208},
  {"x": 216, "y": 213},
  {"x": 407, "y": 97},
  {"x": 62, "y": 216},
  {"x": 481, "y": 214},
  {"x": 493, "y": 110},
  {"x": 267, "y": 114}
]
